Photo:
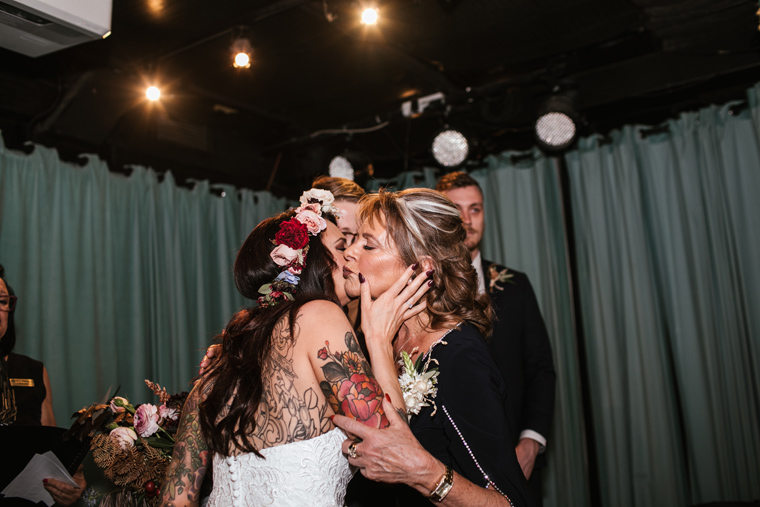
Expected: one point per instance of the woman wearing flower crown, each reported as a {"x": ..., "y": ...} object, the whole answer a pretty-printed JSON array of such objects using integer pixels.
[
  {"x": 263, "y": 414},
  {"x": 453, "y": 390}
]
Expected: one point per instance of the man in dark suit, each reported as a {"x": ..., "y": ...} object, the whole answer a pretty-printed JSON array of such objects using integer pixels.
[{"x": 520, "y": 342}]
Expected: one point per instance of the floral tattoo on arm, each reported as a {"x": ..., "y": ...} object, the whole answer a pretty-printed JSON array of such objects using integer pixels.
[
  {"x": 189, "y": 459},
  {"x": 349, "y": 386}
]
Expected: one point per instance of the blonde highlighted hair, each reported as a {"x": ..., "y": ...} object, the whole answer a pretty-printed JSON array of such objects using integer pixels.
[{"x": 425, "y": 223}]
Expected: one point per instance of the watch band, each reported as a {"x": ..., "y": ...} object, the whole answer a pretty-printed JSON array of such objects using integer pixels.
[{"x": 443, "y": 487}]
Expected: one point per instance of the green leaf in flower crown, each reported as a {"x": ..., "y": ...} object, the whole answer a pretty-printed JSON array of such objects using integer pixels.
[{"x": 265, "y": 289}]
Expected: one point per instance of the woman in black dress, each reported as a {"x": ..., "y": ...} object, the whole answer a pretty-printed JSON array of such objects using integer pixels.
[{"x": 457, "y": 452}]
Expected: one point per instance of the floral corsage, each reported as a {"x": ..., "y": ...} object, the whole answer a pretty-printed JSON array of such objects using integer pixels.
[
  {"x": 497, "y": 277},
  {"x": 418, "y": 383}
]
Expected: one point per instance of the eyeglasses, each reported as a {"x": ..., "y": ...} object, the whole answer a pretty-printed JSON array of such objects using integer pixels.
[{"x": 7, "y": 303}]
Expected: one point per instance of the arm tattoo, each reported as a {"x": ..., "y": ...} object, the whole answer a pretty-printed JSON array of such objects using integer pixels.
[
  {"x": 189, "y": 459},
  {"x": 349, "y": 386}
]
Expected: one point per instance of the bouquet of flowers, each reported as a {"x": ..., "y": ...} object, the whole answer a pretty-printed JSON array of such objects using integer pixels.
[{"x": 133, "y": 445}]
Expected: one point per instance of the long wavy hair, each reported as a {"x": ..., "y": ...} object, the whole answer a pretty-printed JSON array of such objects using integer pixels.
[
  {"x": 234, "y": 387},
  {"x": 423, "y": 222},
  {"x": 8, "y": 340}
]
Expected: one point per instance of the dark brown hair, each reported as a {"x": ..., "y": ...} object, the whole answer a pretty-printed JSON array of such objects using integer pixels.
[
  {"x": 341, "y": 188},
  {"x": 8, "y": 340},
  {"x": 423, "y": 222},
  {"x": 458, "y": 179},
  {"x": 247, "y": 340}
]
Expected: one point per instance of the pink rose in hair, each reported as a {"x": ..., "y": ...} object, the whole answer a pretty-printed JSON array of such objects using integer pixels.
[
  {"x": 283, "y": 255},
  {"x": 312, "y": 221},
  {"x": 125, "y": 437},
  {"x": 146, "y": 420},
  {"x": 314, "y": 206}
]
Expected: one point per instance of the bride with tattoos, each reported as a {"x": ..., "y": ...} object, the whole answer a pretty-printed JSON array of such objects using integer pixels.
[{"x": 263, "y": 414}]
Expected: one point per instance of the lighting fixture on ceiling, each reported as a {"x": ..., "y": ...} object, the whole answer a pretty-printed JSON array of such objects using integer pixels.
[
  {"x": 450, "y": 147},
  {"x": 556, "y": 126},
  {"x": 153, "y": 93},
  {"x": 370, "y": 16},
  {"x": 242, "y": 51},
  {"x": 340, "y": 167},
  {"x": 352, "y": 165}
]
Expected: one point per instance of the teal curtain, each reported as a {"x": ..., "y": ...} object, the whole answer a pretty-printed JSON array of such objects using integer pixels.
[
  {"x": 119, "y": 279},
  {"x": 667, "y": 243},
  {"x": 524, "y": 230}
]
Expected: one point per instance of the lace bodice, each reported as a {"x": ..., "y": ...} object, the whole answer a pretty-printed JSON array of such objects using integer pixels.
[{"x": 307, "y": 473}]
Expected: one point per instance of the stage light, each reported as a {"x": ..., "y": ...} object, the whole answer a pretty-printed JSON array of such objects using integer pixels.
[
  {"x": 556, "y": 126},
  {"x": 242, "y": 60},
  {"x": 353, "y": 165},
  {"x": 369, "y": 16},
  {"x": 340, "y": 167},
  {"x": 242, "y": 51},
  {"x": 153, "y": 93},
  {"x": 450, "y": 148}
]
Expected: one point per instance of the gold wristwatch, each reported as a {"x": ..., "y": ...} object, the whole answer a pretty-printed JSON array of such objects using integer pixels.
[{"x": 443, "y": 487}]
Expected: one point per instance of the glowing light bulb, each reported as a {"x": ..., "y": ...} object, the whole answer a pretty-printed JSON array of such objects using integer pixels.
[
  {"x": 242, "y": 60},
  {"x": 369, "y": 16},
  {"x": 153, "y": 93}
]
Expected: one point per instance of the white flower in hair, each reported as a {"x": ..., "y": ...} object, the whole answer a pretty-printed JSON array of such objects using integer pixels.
[{"x": 324, "y": 197}]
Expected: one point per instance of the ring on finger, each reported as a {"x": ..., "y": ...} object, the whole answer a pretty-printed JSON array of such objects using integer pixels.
[
  {"x": 410, "y": 304},
  {"x": 352, "y": 451}
]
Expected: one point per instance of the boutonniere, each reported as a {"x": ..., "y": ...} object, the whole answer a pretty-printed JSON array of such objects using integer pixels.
[
  {"x": 497, "y": 277},
  {"x": 418, "y": 383}
]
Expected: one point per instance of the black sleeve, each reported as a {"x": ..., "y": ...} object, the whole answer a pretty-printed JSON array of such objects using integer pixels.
[
  {"x": 540, "y": 376},
  {"x": 473, "y": 393}
]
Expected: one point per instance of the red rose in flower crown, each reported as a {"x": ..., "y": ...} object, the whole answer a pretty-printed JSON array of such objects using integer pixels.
[{"x": 293, "y": 234}]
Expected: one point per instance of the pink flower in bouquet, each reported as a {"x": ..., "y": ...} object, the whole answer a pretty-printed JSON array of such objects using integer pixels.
[
  {"x": 118, "y": 404},
  {"x": 167, "y": 414},
  {"x": 123, "y": 436},
  {"x": 146, "y": 420}
]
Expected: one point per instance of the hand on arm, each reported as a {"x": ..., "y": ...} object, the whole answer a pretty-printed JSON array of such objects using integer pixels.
[
  {"x": 190, "y": 459},
  {"x": 65, "y": 494},
  {"x": 394, "y": 455},
  {"x": 209, "y": 359}
]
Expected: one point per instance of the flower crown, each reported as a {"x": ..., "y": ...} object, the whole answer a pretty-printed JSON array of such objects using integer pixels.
[{"x": 292, "y": 245}]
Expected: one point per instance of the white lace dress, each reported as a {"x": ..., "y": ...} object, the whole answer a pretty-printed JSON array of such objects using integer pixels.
[{"x": 307, "y": 473}]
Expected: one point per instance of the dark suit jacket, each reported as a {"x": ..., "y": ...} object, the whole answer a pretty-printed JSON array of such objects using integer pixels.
[{"x": 520, "y": 344}]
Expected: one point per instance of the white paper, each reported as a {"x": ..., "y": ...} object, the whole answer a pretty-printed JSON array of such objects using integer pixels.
[{"x": 28, "y": 484}]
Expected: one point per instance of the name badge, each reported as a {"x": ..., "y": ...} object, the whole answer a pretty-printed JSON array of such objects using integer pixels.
[{"x": 22, "y": 382}]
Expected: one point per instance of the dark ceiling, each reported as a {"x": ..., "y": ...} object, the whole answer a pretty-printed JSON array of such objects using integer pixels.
[{"x": 278, "y": 123}]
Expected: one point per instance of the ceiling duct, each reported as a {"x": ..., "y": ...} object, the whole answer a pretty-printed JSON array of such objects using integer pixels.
[{"x": 36, "y": 27}]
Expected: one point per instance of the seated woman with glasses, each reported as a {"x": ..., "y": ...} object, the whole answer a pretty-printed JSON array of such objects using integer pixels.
[{"x": 29, "y": 378}]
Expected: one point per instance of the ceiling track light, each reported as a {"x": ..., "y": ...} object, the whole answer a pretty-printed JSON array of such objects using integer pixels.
[
  {"x": 352, "y": 165},
  {"x": 557, "y": 121},
  {"x": 450, "y": 147},
  {"x": 241, "y": 49},
  {"x": 370, "y": 15},
  {"x": 153, "y": 93}
]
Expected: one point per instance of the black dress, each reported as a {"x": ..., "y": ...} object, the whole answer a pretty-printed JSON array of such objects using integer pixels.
[
  {"x": 28, "y": 386},
  {"x": 473, "y": 391}
]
